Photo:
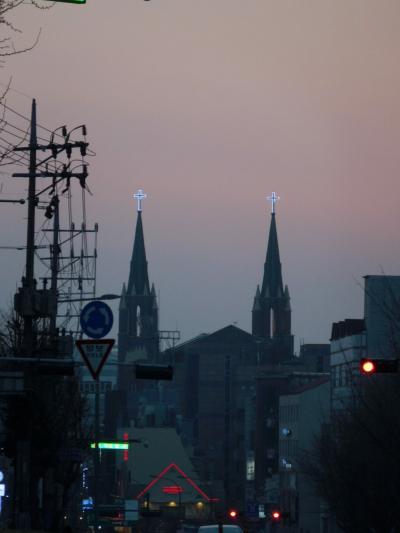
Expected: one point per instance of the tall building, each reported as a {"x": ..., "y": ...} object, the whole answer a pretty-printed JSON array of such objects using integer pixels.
[
  {"x": 271, "y": 323},
  {"x": 215, "y": 375},
  {"x": 302, "y": 414},
  {"x": 138, "y": 310},
  {"x": 375, "y": 335},
  {"x": 348, "y": 346},
  {"x": 137, "y": 341},
  {"x": 137, "y": 335},
  {"x": 271, "y": 314},
  {"x": 382, "y": 316}
]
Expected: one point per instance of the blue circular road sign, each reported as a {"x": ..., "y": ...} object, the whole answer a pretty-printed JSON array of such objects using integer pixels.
[{"x": 96, "y": 319}]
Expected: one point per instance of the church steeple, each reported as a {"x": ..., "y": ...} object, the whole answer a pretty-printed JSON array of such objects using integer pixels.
[
  {"x": 138, "y": 275},
  {"x": 271, "y": 309},
  {"x": 272, "y": 284},
  {"x": 138, "y": 310}
]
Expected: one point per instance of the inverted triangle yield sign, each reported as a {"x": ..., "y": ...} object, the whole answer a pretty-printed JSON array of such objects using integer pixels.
[{"x": 95, "y": 353}]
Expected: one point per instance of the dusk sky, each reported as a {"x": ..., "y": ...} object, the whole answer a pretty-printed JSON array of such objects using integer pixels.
[{"x": 209, "y": 106}]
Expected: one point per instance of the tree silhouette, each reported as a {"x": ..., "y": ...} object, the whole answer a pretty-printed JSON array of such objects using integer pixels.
[
  {"x": 354, "y": 463},
  {"x": 48, "y": 415},
  {"x": 9, "y": 32}
]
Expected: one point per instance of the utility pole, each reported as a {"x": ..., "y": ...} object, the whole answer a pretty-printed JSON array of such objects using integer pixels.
[
  {"x": 29, "y": 302},
  {"x": 23, "y": 460},
  {"x": 32, "y": 304},
  {"x": 54, "y": 269},
  {"x": 29, "y": 340}
]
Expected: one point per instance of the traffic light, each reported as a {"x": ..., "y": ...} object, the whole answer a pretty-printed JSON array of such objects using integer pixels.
[
  {"x": 276, "y": 515},
  {"x": 233, "y": 514},
  {"x": 378, "y": 366},
  {"x": 158, "y": 372}
]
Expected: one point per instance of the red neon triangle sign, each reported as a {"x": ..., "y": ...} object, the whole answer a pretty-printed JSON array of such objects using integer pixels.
[
  {"x": 182, "y": 474},
  {"x": 95, "y": 353}
]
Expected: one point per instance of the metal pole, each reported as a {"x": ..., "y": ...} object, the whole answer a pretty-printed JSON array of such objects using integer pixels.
[
  {"x": 23, "y": 461},
  {"x": 54, "y": 269},
  {"x": 30, "y": 238},
  {"x": 96, "y": 455}
]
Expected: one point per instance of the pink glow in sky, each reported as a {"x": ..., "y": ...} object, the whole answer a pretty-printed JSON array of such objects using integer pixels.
[{"x": 209, "y": 106}]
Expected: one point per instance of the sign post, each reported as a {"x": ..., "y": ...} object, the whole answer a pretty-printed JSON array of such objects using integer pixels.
[
  {"x": 95, "y": 353},
  {"x": 96, "y": 321}
]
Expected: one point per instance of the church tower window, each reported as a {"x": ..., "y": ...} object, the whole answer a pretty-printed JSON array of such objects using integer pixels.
[{"x": 138, "y": 322}]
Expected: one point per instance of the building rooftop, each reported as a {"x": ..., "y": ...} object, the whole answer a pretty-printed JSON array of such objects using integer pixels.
[{"x": 347, "y": 327}]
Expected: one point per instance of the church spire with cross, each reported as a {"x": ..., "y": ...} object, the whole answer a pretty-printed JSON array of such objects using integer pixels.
[
  {"x": 138, "y": 310},
  {"x": 138, "y": 276},
  {"x": 271, "y": 314}
]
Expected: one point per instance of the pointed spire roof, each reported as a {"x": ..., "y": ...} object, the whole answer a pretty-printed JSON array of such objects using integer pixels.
[
  {"x": 122, "y": 302},
  {"x": 257, "y": 305},
  {"x": 287, "y": 297},
  {"x": 272, "y": 285},
  {"x": 154, "y": 295},
  {"x": 138, "y": 276}
]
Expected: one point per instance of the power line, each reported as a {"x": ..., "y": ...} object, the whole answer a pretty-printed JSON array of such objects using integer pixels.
[{"x": 52, "y": 132}]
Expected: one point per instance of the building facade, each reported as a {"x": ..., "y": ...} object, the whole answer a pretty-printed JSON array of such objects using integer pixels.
[{"x": 302, "y": 414}]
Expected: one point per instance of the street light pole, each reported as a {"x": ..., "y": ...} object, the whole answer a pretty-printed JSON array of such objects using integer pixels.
[{"x": 96, "y": 454}]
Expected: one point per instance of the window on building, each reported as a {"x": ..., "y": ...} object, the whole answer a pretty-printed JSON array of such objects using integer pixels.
[
  {"x": 138, "y": 322},
  {"x": 272, "y": 323},
  {"x": 250, "y": 466},
  {"x": 270, "y": 453}
]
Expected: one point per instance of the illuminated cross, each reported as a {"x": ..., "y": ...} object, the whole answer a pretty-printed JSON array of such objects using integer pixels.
[
  {"x": 273, "y": 199},
  {"x": 139, "y": 196}
]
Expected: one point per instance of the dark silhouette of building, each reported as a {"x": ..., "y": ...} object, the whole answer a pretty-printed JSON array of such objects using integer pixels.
[
  {"x": 138, "y": 312},
  {"x": 271, "y": 315},
  {"x": 224, "y": 398},
  {"x": 215, "y": 376},
  {"x": 315, "y": 357},
  {"x": 278, "y": 370},
  {"x": 221, "y": 400}
]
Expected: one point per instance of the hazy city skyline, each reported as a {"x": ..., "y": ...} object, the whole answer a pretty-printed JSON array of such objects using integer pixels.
[{"x": 209, "y": 106}]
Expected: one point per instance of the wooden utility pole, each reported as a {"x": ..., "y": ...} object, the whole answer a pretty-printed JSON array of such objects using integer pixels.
[
  {"x": 29, "y": 336},
  {"x": 32, "y": 304}
]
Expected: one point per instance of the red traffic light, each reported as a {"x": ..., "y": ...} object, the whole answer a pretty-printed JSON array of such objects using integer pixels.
[
  {"x": 276, "y": 515},
  {"x": 377, "y": 366},
  {"x": 367, "y": 366},
  {"x": 233, "y": 513}
]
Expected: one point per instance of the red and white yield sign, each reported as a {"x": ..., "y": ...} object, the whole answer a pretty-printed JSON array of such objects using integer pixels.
[{"x": 95, "y": 353}]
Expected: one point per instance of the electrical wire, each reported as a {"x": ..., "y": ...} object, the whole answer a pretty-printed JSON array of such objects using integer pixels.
[
  {"x": 53, "y": 132},
  {"x": 80, "y": 269}
]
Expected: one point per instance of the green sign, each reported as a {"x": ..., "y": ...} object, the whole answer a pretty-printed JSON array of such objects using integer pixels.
[{"x": 111, "y": 445}]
